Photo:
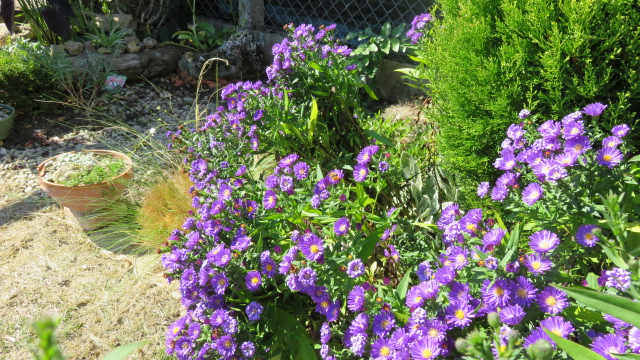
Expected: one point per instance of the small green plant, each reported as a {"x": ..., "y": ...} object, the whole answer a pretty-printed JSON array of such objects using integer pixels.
[
  {"x": 112, "y": 39},
  {"x": 83, "y": 168},
  {"x": 24, "y": 84},
  {"x": 48, "y": 20},
  {"x": 201, "y": 36},
  {"x": 373, "y": 47}
]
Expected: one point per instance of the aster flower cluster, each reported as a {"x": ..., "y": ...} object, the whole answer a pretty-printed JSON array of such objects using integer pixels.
[
  {"x": 418, "y": 27},
  {"x": 552, "y": 153}
]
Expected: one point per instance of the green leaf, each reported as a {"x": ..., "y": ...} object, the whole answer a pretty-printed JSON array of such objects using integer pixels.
[
  {"x": 121, "y": 352},
  {"x": 210, "y": 29},
  {"x": 315, "y": 66},
  {"x": 514, "y": 239},
  {"x": 373, "y": 48},
  {"x": 626, "y": 356},
  {"x": 370, "y": 92},
  {"x": 313, "y": 119},
  {"x": 634, "y": 159},
  {"x": 378, "y": 137},
  {"x": 425, "y": 225},
  {"x": 303, "y": 348},
  {"x": 398, "y": 30},
  {"x": 574, "y": 350},
  {"x": 403, "y": 286},
  {"x": 417, "y": 59},
  {"x": 386, "y": 29},
  {"x": 369, "y": 244},
  {"x": 385, "y": 46},
  {"x": 395, "y": 44},
  {"x": 616, "y": 306}
]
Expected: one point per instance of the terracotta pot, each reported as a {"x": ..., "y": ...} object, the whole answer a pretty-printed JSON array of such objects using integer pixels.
[{"x": 87, "y": 198}]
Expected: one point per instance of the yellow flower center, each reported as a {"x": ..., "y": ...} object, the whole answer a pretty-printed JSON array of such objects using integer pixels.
[
  {"x": 250, "y": 208},
  {"x": 460, "y": 314},
  {"x": 385, "y": 351},
  {"x": 227, "y": 344},
  {"x": 522, "y": 293},
  {"x": 314, "y": 249},
  {"x": 385, "y": 324},
  {"x": 607, "y": 157},
  {"x": 557, "y": 332},
  {"x": 460, "y": 258},
  {"x": 577, "y": 147},
  {"x": 536, "y": 265},
  {"x": 254, "y": 281},
  {"x": 363, "y": 172},
  {"x": 550, "y": 301},
  {"x": 588, "y": 236},
  {"x": 433, "y": 332},
  {"x": 498, "y": 291},
  {"x": 269, "y": 267},
  {"x": 426, "y": 353},
  {"x": 221, "y": 282}
]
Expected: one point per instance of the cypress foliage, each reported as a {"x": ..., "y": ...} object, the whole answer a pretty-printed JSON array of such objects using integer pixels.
[{"x": 488, "y": 59}]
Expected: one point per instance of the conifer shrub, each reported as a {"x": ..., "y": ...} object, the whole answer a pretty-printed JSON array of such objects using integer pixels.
[{"x": 487, "y": 60}]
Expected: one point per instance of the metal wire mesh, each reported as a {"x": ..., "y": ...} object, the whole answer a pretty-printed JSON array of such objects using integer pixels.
[{"x": 349, "y": 15}]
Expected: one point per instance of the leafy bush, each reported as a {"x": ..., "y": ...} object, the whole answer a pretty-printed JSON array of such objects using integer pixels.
[
  {"x": 487, "y": 59},
  {"x": 23, "y": 83}
]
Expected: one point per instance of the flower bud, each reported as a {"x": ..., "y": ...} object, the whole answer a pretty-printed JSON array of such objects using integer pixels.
[
  {"x": 493, "y": 319},
  {"x": 540, "y": 350},
  {"x": 463, "y": 345}
]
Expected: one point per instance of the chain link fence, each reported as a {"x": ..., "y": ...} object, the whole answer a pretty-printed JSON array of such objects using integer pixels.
[{"x": 349, "y": 15}]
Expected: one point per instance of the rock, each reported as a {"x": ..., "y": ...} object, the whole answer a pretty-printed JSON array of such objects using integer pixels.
[
  {"x": 74, "y": 48},
  {"x": 149, "y": 43},
  {"x": 133, "y": 47},
  {"x": 158, "y": 62},
  {"x": 88, "y": 47},
  {"x": 103, "y": 51},
  {"x": 3, "y": 151},
  {"x": 121, "y": 21},
  {"x": 243, "y": 54},
  {"x": 56, "y": 50}
]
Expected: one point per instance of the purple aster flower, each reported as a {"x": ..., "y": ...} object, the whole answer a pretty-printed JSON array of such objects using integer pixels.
[
  {"x": 558, "y": 326},
  {"x": 609, "y": 157},
  {"x": 550, "y": 129},
  {"x": 224, "y": 192},
  {"x": 288, "y": 160},
  {"x": 248, "y": 349},
  {"x": 360, "y": 172},
  {"x": 286, "y": 183},
  {"x": 572, "y": 129},
  {"x": 272, "y": 181},
  {"x": 578, "y": 145},
  {"x": 483, "y": 189},
  {"x": 537, "y": 263},
  {"x": 552, "y": 300},
  {"x": 355, "y": 268},
  {"x": 586, "y": 235},
  {"x": 220, "y": 283},
  {"x": 499, "y": 193},
  {"x": 383, "y": 166},
  {"x": 512, "y": 315},
  {"x": 491, "y": 262},
  {"x": 611, "y": 141},
  {"x": 543, "y": 241},
  {"x": 241, "y": 170},
  {"x": 226, "y": 346},
  {"x": 566, "y": 159},
  {"x": 515, "y": 131},
  {"x": 459, "y": 314},
  {"x": 355, "y": 299},
  {"x": 341, "y": 227},
  {"x": 524, "y": 292},
  {"x": 254, "y": 310},
  {"x": 342, "y": 50},
  {"x": 617, "y": 323},
  {"x": 269, "y": 201},
  {"x": 325, "y": 333},
  {"x": 419, "y": 293},
  {"x": 424, "y": 271},
  {"x": 312, "y": 247},
  {"x": 307, "y": 277},
  {"x": 471, "y": 220},
  {"x": 383, "y": 323},
  {"x": 608, "y": 344},
  {"x": 301, "y": 170},
  {"x": 253, "y": 280},
  {"x": 594, "y": 109},
  {"x": 493, "y": 238},
  {"x": 445, "y": 275},
  {"x": 219, "y": 255},
  {"x": 531, "y": 193},
  {"x": 524, "y": 113},
  {"x": 334, "y": 176},
  {"x": 366, "y": 154},
  {"x": 425, "y": 348},
  {"x": 358, "y": 342},
  {"x": 620, "y": 130},
  {"x": 618, "y": 278},
  {"x": 634, "y": 339},
  {"x": 381, "y": 350},
  {"x": 497, "y": 293}
]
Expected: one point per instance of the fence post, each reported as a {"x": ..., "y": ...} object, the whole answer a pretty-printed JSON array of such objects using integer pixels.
[{"x": 251, "y": 13}]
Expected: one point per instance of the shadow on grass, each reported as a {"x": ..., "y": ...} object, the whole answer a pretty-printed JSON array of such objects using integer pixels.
[{"x": 22, "y": 208}]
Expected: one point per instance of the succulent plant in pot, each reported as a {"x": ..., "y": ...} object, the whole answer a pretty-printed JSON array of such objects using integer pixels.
[
  {"x": 7, "y": 114},
  {"x": 86, "y": 182}
]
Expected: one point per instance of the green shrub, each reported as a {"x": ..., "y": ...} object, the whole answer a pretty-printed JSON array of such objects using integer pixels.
[
  {"x": 486, "y": 60},
  {"x": 23, "y": 83}
]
